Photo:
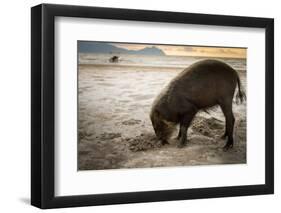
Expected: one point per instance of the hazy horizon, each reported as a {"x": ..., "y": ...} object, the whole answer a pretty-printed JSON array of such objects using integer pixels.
[{"x": 156, "y": 49}]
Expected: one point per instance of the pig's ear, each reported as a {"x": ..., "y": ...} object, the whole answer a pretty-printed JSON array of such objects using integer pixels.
[
  {"x": 156, "y": 113},
  {"x": 166, "y": 122}
]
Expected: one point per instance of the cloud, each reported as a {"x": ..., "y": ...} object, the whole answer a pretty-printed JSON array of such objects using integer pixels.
[
  {"x": 183, "y": 50},
  {"x": 188, "y": 48}
]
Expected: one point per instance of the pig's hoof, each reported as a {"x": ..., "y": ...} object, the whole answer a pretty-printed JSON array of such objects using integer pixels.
[
  {"x": 164, "y": 142},
  {"x": 181, "y": 145},
  {"x": 223, "y": 136},
  {"x": 227, "y": 147}
]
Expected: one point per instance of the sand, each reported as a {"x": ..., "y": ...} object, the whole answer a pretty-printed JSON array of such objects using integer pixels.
[{"x": 115, "y": 130}]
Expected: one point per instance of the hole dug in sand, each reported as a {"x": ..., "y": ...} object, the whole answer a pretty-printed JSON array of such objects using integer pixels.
[
  {"x": 143, "y": 142},
  {"x": 209, "y": 127}
]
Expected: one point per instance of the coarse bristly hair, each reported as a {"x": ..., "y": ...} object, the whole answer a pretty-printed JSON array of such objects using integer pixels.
[{"x": 163, "y": 129}]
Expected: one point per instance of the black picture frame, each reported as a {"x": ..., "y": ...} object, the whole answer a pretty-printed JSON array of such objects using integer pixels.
[{"x": 43, "y": 105}]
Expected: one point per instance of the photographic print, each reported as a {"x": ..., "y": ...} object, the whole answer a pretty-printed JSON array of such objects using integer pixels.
[
  {"x": 154, "y": 105},
  {"x": 194, "y": 99}
]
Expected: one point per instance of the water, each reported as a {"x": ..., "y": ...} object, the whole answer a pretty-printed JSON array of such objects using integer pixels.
[{"x": 154, "y": 61}]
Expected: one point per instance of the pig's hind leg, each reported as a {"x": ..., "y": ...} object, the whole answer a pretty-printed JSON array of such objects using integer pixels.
[{"x": 230, "y": 120}]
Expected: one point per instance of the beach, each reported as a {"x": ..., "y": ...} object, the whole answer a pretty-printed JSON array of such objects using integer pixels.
[{"x": 114, "y": 128}]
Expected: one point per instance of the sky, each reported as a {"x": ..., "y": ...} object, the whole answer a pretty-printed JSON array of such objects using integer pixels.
[{"x": 227, "y": 52}]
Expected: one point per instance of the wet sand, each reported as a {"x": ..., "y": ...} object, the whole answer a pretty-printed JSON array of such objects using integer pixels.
[{"x": 115, "y": 130}]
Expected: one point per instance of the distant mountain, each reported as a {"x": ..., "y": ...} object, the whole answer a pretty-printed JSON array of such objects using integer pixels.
[
  {"x": 150, "y": 51},
  {"x": 100, "y": 47}
]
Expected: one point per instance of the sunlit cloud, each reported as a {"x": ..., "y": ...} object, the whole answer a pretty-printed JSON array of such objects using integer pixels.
[{"x": 177, "y": 50}]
